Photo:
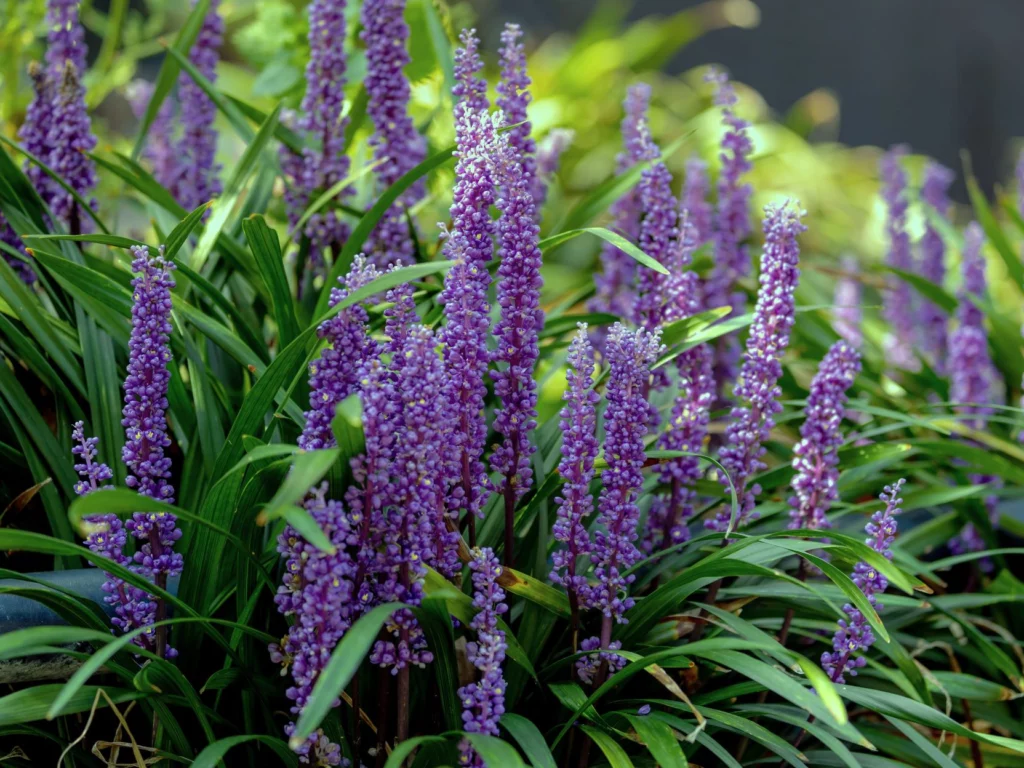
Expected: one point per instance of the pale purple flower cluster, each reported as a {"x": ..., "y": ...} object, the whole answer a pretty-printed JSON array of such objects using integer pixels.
[
  {"x": 160, "y": 149},
  {"x": 854, "y": 635},
  {"x": 972, "y": 373},
  {"x": 145, "y": 417},
  {"x": 513, "y": 99},
  {"x": 323, "y": 162},
  {"x": 317, "y": 590},
  {"x": 107, "y": 537},
  {"x": 65, "y": 37},
  {"x": 518, "y": 295},
  {"x": 395, "y": 140},
  {"x": 898, "y": 306},
  {"x": 658, "y": 233},
  {"x": 35, "y": 131},
  {"x": 628, "y": 414},
  {"x": 470, "y": 89},
  {"x": 10, "y": 238},
  {"x": 847, "y": 317},
  {"x": 615, "y": 291},
  {"x": 732, "y": 223},
  {"x": 587, "y": 667},
  {"x": 68, "y": 138},
  {"x": 578, "y": 424},
  {"x": 932, "y": 319},
  {"x": 688, "y": 423},
  {"x": 470, "y": 245},
  {"x": 816, "y": 456},
  {"x": 195, "y": 167},
  {"x": 483, "y": 702},
  {"x": 758, "y": 390},
  {"x": 334, "y": 375},
  {"x": 694, "y": 199}
]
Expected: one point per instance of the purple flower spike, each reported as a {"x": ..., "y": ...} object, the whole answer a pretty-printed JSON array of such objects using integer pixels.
[
  {"x": 518, "y": 295},
  {"x": 470, "y": 89},
  {"x": 35, "y": 131},
  {"x": 513, "y": 98},
  {"x": 334, "y": 375},
  {"x": 322, "y": 163},
  {"x": 816, "y": 456},
  {"x": 483, "y": 702},
  {"x": 615, "y": 291},
  {"x": 695, "y": 199},
  {"x": 317, "y": 591},
  {"x": 395, "y": 140},
  {"x": 579, "y": 450},
  {"x": 145, "y": 421},
  {"x": 630, "y": 354},
  {"x": 932, "y": 320},
  {"x": 69, "y": 138},
  {"x": 658, "y": 234},
  {"x": 758, "y": 390},
  {"x": 470, "y": 245},
  {"x": 847, "y": 299},
  {"x": 899, "y": 298},
  {"x": 549, "y": 157},
  {"x": 587, "y": 667},
  {"x": 159, "y": 149},
  {"x": 688, "y": 423},
  {"x": 65, "y": 37},
  {"x": 854, "y": 635},
  {"x": 20, "y": 265},
  {"x": 972, "y": 373},
  {"x": 732, "y": 225},
  {"x": 197, "y": 170}
]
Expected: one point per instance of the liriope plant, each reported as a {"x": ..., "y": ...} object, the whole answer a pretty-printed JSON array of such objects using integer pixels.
[{"x": 298, "y": 478}]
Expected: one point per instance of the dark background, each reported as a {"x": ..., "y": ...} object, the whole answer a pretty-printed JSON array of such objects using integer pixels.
[{"x": 940, "y": 75}]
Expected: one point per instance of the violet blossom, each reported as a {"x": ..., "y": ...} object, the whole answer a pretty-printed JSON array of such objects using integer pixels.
[
  {"x": 160, "y": 149},
  {"x": 847, "y": 317},
  {"x": 549, "y": 158},
  {"x": 196, "y": 169},
  {"x": 854, "y": 635},
  {"x": 107, "y": 537},
  {"x": 469, "y": 243},
  {"x": 334, "y": 375},
  {"x": 513, "y": 99},
  {"x": 972, "y": 373},
  {"x": 615, "y": 289},
  {"x": 317, "y": 591},
  {"x": 932, "y": 319},
  {"x": 757, "y": 392},
  {"x": 898, "y": 308},
  {"x": 694, "y": 200},
  {"x": 658, "y": 232},
  {"x": 322, "y": 162},
  {"x": 578, "y": 424},
  {"x": 732, "y": 224},
  {"x": 470, "y": 89},
  {"x": 145, "y": 422},
  {"x": 631, "y": 355},
  {"x": 521, "y": 320},
  {"x": 395, "y": 140},
  {"x": 483, "y": 701},
  {"x": 816, "y": 456},
  {"x": 69, "y": 138},
  {"x": 687, "y": 425},
  {"x": 65, "y": 38},
  {"x": 35, "y": 131}
]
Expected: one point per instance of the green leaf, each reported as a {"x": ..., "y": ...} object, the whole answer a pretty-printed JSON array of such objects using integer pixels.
[
  {"x": 616, "y": 755},
  {"x": 495, "y": 752},
  {"x": 212, "y": 755},
  {"x": 530, "y": 740},
  {"x": 403, "y": 749},
  {"x": 226, "y": 106},
  {"x": 181, "y": 233},
  {"x": 550, "y": 243},
  {"x": 283, "y": 133},
  {"x": 168, "y": 74},
  {"x": 267, "y": 249},
  {"x": 21, "y": 642},
  {"x": 535, "y": 590},
  {"x": 660, "y": 741},
  {"x": 345, "y": 661},
  {"x": 225, "y": 204},
  {"x": 325, "y": 198},
  {"x": 929, "y": 750},
  {"x": 441, "y": 44},
  {"x": 31, "y": 704},
  {"x": 936, "y": 294},
  {"x": 758, "y": 733},
  {"x": 681, "y": 330},
  {"x": 366, "y": 225},
  {"x": 961, "y": 686},
  {"x": 308, "y": 468},
  {"x": 852, "y": 591}
]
